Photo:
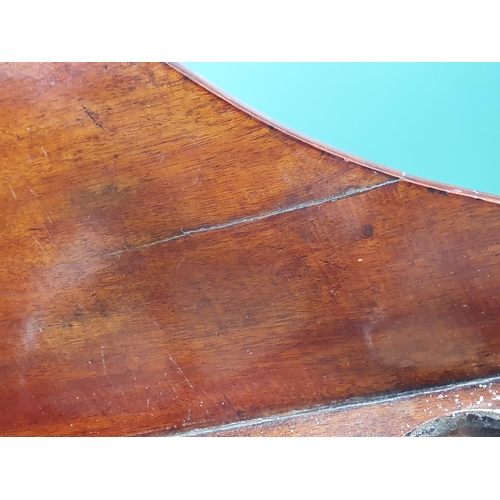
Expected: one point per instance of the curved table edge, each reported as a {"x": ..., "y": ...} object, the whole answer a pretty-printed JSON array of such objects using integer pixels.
[{"x": 348, "y": 157}]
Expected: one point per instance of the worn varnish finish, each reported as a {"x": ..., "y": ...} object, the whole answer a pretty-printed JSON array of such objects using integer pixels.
[{"x": 170, "y": 262}]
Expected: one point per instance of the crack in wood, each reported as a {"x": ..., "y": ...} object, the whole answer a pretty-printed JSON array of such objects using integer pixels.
[{"x": 307, "y": 204}]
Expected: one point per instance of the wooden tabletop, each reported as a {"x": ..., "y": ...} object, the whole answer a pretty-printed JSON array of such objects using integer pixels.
[{"x": 171, "y": 262}]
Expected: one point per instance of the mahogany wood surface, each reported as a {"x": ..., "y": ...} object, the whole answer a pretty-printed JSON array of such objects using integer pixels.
[
  {"x": 394, "y": 416},
  {"x": 170, "y": 262}
]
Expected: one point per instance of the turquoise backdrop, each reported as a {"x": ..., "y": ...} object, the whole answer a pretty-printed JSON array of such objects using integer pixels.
[{"x": 440, "y": 121}]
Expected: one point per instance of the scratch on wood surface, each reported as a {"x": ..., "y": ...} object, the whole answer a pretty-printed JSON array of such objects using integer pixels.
[
  {"x": 173, "y": 361},
  {"x": 38, "y": 243},
  {"x": 368, "y": 337},
  {"x": 300, "y": 206},
  {"x": 103, "y": 361},
  {"x": 44, "y": 152},
  {"x": 182, "y": 373},
  {"x": 83, "y": 307},
  {"x": 104, "y": 366},
  {"x": 12, "y": 191}
]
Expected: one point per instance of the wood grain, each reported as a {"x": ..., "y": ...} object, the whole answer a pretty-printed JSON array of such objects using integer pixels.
[
  {"x": 170, "y": 262},
  {"x": 395, "y": 416}
]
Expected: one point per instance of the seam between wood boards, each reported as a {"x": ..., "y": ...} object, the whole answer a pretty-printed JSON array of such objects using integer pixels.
[{"x": 245, "y": 220}]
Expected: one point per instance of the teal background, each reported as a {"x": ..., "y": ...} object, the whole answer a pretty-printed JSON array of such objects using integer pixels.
[{"x": 440, "y": 121}]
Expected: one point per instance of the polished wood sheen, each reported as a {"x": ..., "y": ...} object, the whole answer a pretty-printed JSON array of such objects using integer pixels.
[{"x": 171, "y": 261}]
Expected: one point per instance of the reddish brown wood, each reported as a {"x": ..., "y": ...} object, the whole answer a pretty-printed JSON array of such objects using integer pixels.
[
  {"x": 394, "y": 416},
  {"x": 170, "y": 262}
]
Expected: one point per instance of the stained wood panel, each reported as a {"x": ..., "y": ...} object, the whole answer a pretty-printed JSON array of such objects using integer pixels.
[{"x": 170, "y": 262}]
